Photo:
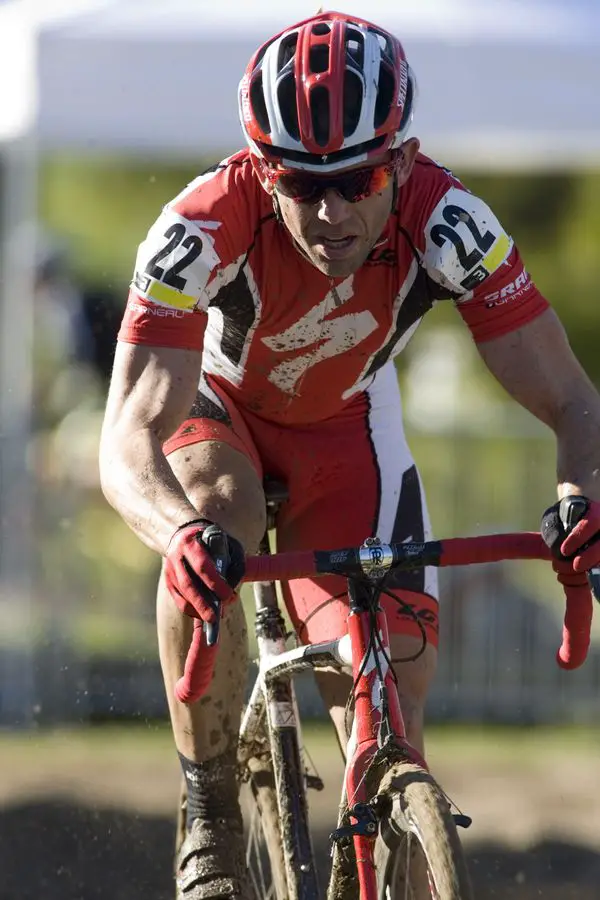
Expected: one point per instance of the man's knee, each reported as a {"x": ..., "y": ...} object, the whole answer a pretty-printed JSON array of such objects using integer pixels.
[{"x": 414, "y": 676}]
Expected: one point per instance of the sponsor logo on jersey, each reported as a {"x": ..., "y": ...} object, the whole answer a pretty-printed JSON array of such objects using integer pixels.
[
  {"x": 319, "y": 336},
  {"x": 509, "y": 292},
  {"x": 160, "y": 311}
]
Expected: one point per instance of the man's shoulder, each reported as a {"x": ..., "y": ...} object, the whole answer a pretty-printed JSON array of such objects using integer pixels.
[
  {"x": 208, "y": 227},
  {"x": 459, "y": 238},
  {"x": 430, "y": 180},
  {"x": 230, "y": 187}
]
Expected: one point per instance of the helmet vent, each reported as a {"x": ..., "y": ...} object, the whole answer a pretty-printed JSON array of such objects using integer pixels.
[
  {"x": 385, "y": 95},
  {"x": 353, "y": 97},
  {"x": 257, "y": 102},
  {"x": 320, "y": 29},
  {"x": 286, "y": 95},
  {"x": 319, "y": 108},
  {"x": 355, "y": 46},
  {"x": 287, "y": 50},
  {"x": 319, "y": 58},
  {"x": 387, "y": 50}
]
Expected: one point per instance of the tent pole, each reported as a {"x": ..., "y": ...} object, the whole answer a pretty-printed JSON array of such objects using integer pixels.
[{"x": 18, "y": 188}]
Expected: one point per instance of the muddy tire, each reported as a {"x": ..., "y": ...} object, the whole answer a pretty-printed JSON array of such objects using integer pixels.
[
  {"x": 264, "y": 847},
  {"x": 418, "y": 854}
]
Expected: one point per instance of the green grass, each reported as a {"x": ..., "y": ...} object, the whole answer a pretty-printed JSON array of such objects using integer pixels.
[{"x": 154, "y": 739}]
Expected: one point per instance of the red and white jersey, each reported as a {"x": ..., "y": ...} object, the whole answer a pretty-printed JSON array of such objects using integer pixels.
[{"x": 218, "y": 272}]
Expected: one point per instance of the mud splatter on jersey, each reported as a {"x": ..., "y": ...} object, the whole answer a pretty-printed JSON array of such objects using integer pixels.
[{"x": 217, "y": 272}]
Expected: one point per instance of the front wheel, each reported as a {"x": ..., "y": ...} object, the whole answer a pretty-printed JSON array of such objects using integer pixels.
[
  {"x": 264, "y": 848},
  {"x": 418, "y": 854}
]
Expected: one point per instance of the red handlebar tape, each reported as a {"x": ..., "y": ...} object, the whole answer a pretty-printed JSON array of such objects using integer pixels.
[{"x": 485, "y": 548}]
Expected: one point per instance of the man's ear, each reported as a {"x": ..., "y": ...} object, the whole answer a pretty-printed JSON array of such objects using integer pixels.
[
  {"x": 260, "y": 167},
  {"x": 406, "y": 159}
]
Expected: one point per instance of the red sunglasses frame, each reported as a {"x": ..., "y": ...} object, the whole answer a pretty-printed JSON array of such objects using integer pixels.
[{"x": 353, "y": 185}]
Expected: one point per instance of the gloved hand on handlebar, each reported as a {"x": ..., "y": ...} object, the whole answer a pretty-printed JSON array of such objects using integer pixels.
[
  {"x": 571, "y": 529},
  {"x": 203, "y": 564}
]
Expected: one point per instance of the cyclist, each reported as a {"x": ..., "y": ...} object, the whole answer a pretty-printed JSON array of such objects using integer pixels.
[{"x": 269, "y": 300}]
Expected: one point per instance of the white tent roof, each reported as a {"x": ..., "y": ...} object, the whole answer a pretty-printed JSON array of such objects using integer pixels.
[
  {"x": 502, "y": 82},
  {"x": 17, "y": 72}
]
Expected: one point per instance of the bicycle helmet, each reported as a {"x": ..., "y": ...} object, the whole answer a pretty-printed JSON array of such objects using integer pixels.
[{"x": 327, "y": 93}]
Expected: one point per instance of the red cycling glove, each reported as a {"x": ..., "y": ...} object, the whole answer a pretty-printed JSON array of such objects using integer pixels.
[
  {"x": 587, "y": 530},
  {"x": 571, "y": 529},
  {"x": 202, "y": 564}
]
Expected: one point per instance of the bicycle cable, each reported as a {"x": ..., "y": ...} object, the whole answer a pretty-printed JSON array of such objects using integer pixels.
[
  {"x": 375, "y": 644},
  {"x": 378, "y": 588}
]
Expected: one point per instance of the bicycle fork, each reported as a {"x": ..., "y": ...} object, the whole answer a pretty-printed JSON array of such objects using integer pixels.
[{"x": 377, "y": 730}]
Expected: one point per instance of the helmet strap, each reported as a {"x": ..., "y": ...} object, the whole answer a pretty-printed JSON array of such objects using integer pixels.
[
  {"x": 277, "y": 208},
  {"x": 394, "y": 193}
]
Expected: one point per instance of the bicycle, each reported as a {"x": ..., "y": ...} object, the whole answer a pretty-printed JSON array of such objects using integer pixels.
[{"x": 396, "y": 834}]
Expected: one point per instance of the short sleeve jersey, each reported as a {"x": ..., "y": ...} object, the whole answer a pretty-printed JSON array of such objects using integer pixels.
[{"x": 217, "y": 272}]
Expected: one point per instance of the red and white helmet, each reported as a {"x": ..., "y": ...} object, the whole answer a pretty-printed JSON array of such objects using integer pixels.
[{"x": 327, "y": 93}]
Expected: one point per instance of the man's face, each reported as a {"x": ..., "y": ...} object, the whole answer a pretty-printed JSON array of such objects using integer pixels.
[{"x": 337, "y": 235}]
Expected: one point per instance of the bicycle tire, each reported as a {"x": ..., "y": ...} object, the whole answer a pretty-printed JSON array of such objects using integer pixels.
[
  {"x": 417, "y": 825},
  {"x": 264, "y": 843}
]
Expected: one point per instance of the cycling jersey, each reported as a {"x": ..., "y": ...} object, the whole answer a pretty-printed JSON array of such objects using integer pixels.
[{"x": 218, "y": 272}]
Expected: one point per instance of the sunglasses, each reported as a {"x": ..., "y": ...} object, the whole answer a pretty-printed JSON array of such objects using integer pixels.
[{"x": 355, "y": 185}]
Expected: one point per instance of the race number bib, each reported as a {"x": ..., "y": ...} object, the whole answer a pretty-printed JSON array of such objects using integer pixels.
[
  {"x": 465, "y": 242},
  {"x": 174, "y": 263}
]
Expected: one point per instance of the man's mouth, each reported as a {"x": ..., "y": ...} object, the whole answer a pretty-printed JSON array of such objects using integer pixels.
[{"x": 335, "y": 247}]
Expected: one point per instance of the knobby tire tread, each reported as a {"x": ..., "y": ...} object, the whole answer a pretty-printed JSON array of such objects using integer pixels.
[
  {"x": 411, "y": 794},
  {"x": 263, "y": 795}
]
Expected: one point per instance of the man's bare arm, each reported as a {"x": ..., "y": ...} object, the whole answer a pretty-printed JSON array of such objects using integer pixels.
[
  {"x": 537, "y": 367},
  {"x": 152, "y": 390}
]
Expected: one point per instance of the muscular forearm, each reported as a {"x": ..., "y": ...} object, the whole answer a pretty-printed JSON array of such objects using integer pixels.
[
  {"x": 578, "y": 447},
  {"x": 139, "y": 483}
]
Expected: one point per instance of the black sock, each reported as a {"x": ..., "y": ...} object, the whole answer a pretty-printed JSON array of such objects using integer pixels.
[{"x": 212, "y": 788}]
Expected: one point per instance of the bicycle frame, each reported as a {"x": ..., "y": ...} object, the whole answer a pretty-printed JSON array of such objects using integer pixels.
[{"x": 378, "y": 725}]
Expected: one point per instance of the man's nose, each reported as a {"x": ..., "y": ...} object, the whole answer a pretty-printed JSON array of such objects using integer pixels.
[{"x": 333, "y": 209}]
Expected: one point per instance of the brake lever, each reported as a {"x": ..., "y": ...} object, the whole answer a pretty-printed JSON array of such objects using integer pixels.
[
  {"x": 571, "y": 510},
  {"x": 212, "y": 629},
  {"x": 216, "y": 542}
]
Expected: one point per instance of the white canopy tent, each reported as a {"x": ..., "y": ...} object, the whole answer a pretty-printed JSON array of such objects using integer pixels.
[{"x": 503, "y": 83}]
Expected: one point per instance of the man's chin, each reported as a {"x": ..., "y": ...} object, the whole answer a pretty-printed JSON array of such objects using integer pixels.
[{"x": 336, "y": 268}]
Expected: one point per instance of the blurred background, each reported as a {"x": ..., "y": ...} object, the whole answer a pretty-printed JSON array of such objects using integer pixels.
[{"x": 107, "y": 109}]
